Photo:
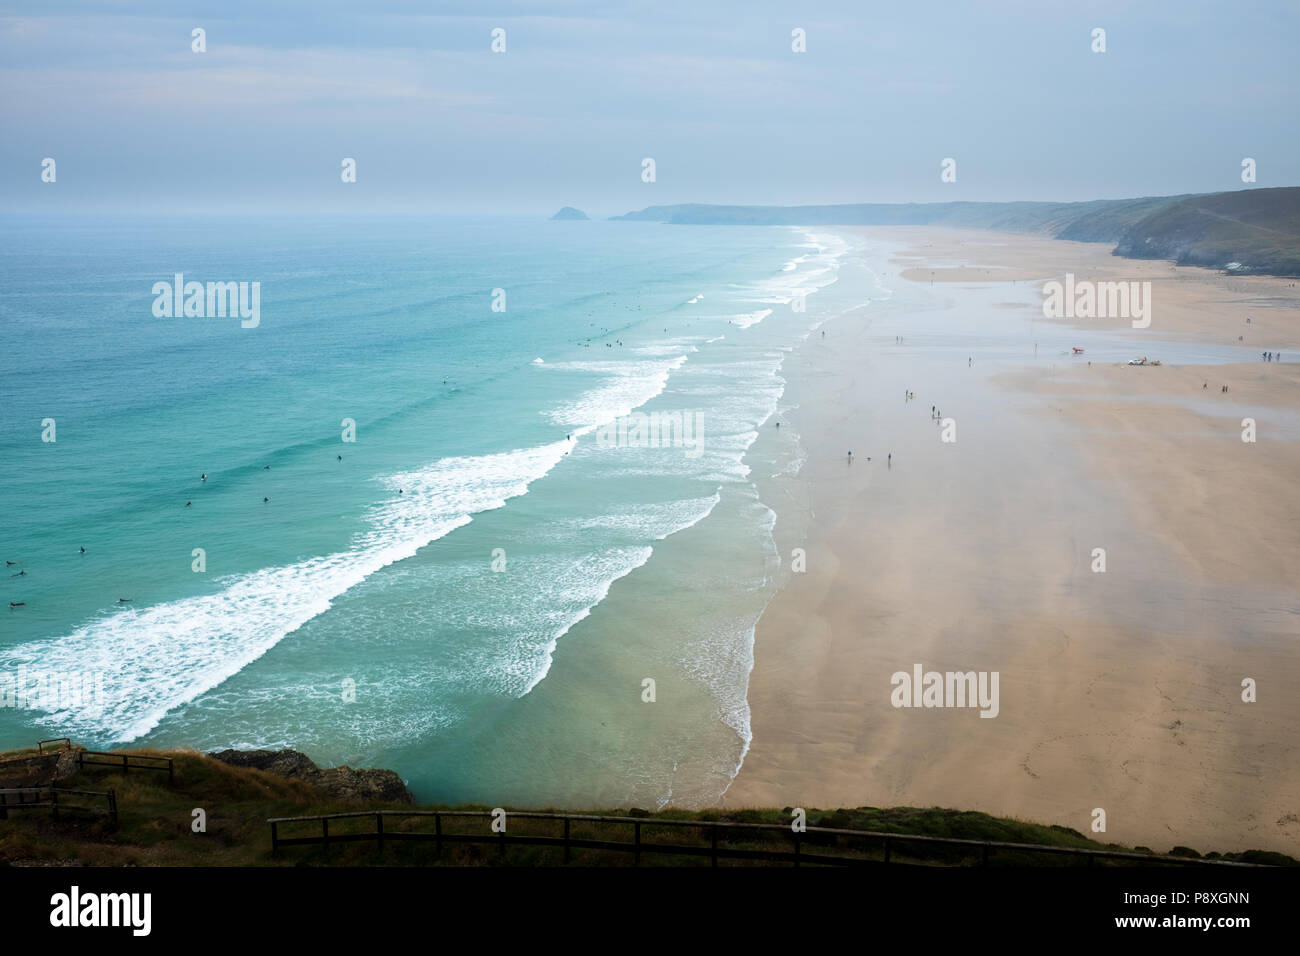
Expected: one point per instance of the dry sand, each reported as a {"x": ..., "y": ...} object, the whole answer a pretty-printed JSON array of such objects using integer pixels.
[{"x": 1119, "y": 690}]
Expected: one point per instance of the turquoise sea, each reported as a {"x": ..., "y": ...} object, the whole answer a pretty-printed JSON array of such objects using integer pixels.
[{"x": 475, "y": 590}]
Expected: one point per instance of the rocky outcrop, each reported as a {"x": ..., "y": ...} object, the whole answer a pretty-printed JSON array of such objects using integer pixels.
[
  {"x": 568, "y": 212},
  {"x": 343, "y": 783}
]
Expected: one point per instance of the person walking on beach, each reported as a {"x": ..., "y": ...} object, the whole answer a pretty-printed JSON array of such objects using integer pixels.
[
  {"x": 890, "y": 460},
  {"x": 850, "y": 457}
]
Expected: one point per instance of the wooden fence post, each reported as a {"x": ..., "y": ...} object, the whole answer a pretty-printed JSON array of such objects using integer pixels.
[
  {"x": 637, "y": 840},
  {"x": 275, "y": 837},
  {"x": 566, "y": 839},
  {"x": 379, "y": 830},
  {"x": 713, "y": 832},
  {"x": 437, "y": 826}
]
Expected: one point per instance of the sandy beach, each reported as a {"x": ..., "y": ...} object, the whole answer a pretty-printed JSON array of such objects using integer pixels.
[{"x": 1121, "y": 689}]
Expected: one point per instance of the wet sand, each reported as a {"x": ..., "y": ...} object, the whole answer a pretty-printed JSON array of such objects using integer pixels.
[{"x": 1119, "y": 690}]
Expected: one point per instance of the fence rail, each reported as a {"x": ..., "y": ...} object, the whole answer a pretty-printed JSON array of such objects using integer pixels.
[
  {"x": 16, "y": 798},
  {"x": 124, "y": 762},
  {"x": 67, "y": 743},
  {"x": 888, "y": 843}
]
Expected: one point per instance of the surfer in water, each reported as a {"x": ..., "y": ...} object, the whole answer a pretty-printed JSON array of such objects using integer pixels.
[
  {"x": 265, "y": 500},
  {"x": 17, "y": 603},
  {"x": 83, "y": 550},
  {"x": 125, "y": 600},
  {"x": 20, "y": 574},
  {"x": 203, "y": 477},
  {"x": 188, "y": 503}
]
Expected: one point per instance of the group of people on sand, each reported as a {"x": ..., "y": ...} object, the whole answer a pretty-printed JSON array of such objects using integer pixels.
[
  {"x": 1272, "y": 356},
  {"x": 908, "y": 395},
  {"x": 889, "y": 460}
]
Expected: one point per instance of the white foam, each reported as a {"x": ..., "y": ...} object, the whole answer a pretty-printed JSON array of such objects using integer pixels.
[
  {"x": 158, "y": 658},
  {"x": 632, "y": 384},
  {"x": 746, "y": 319}
]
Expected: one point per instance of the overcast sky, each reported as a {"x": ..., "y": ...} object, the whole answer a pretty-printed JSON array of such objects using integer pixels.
[{"x": 710, "y": 89}]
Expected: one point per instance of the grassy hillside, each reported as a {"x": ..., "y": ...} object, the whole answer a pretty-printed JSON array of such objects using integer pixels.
[
  {"x": 155, "y": 826},
  {"x": 1258, "y": 230}
]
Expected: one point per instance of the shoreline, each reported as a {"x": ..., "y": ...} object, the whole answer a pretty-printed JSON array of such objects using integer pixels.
[{"x": 1119, "y": 690}]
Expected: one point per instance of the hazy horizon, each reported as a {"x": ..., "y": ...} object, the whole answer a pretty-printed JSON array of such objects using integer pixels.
[{"x": 438, "y": 122}]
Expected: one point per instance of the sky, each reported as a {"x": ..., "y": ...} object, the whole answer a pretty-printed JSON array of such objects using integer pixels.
[{"x": 713, "y": 92}]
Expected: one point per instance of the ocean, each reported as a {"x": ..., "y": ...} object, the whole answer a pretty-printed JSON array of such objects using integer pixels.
[{"x": 479, "y": 501}]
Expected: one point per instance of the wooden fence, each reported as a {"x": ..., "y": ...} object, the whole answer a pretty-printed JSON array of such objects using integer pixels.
[
  {"x": 885, "y": 845},
  {"x": 37, "y": 798},
  {"x": 125, "y": 762},
  {"x": 104, "y": 758}
]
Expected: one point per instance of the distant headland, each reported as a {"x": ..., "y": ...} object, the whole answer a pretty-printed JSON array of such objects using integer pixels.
[{"x": 1244, "y": 231}]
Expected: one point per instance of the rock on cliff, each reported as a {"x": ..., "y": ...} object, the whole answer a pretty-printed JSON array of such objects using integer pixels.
[{"x": 340, "y": 782}]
